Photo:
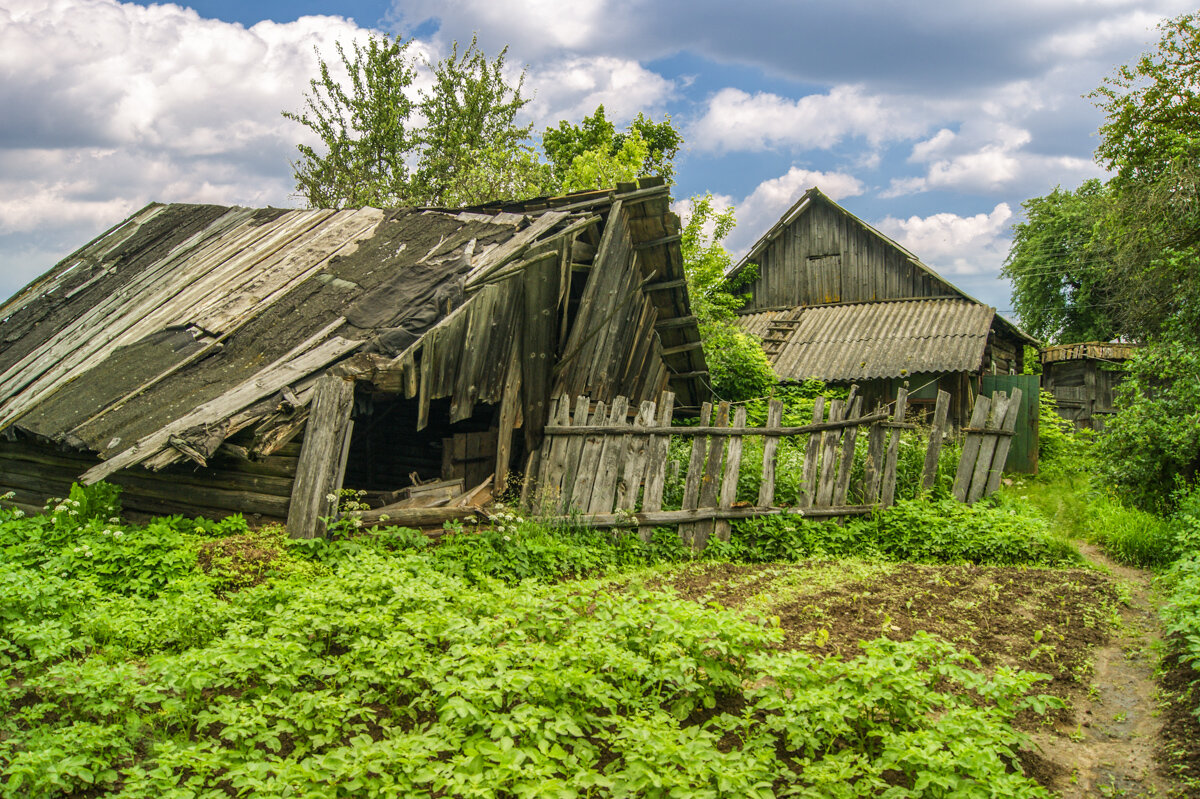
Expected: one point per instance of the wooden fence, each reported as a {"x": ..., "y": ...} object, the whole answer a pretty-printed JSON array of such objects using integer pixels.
[{"x": 599, "y": 466}]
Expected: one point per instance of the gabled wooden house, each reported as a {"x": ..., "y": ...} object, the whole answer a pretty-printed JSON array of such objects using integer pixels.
[
  {"x": 217, "y": 360},
  {"x": 837, "y": 300}
]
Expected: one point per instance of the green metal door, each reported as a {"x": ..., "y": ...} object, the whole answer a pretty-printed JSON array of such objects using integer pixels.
[{"x": 1023, "y": 455}]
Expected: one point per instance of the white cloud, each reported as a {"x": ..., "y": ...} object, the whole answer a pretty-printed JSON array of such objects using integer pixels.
[
  {"x": 737, "y": 120},
  {"x": 987, "y": 158},
  {"x": 572, "y": 88},
  {"x": 958, "y": 245}
]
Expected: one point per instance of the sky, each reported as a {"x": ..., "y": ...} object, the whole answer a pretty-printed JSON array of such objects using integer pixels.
[{"x": 933, "y": 120}]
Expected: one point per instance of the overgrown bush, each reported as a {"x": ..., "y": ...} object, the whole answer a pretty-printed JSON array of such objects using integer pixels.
[{"x": 918, "y": 530}]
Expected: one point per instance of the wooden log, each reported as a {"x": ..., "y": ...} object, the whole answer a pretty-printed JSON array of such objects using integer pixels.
[
  {"x": 887, "y": 493},
  {"x": 320, "y": 458},
  {"x": 936, "y": 433},
  {"x": 808, "y": 480},
  {"x": 1007, "y": 425},
  {"x": 766, "y": 486},
  {"x": 604, "y": 487},
  {"x": 970, "y": 450},
  {"x": 987, "y": 447},
  {"x": 634, "y": 460},
  {"x": 829, "y": 456},
  {"x": 710, "y": 486},
  {"x": 846, "y": 463},
  {"x": 691, "y": 486},
  {"x": 729, "y": 481},
  {"x": 417, "y": 517},
  {"x": 657, "y": 450}
]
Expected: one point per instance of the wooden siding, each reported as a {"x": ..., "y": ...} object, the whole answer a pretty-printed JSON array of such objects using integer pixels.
[{"x": 827, "y": 256}]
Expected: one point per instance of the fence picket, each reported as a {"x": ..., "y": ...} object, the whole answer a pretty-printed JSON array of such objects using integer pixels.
[
  {"x": 691, "y": 488},
  {"x": 987, "y": 447},
  {"x": 808, "y": 480},
  {"x": 656, "y": 464},
  {"x": 846, "y": 462},
  {"x": 633, "y": 467},
  {"x": 729, "y": 482},
  {"x": 766, "y": 486},
  {"x": 608, "y": 464},
  {"x": 1008, "y": 425},
  {"x": 710, "y": 484},
  {"x": 589, "y": 459},
  {"x": 887, "y": 493},
  {"x": 936, "y": 433},
  {"x": 829, "y": 446}
]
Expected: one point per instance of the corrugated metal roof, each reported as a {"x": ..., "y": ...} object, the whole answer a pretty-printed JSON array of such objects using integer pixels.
[{"x": 875, "y": 340}]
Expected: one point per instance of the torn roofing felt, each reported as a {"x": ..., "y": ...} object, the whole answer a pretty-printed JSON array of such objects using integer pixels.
[{"x": 186, "y": 323}]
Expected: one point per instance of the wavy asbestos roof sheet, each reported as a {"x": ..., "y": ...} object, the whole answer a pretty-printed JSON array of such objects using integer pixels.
[{"x": 877, "y": 340}]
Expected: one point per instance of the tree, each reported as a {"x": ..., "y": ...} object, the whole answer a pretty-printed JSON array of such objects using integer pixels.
[
  {"x": 593, "y": 154},
  {"x": 365, "y": 130},
  {"x": 1058, "y": 265},
  {"x": 472, "y": 150},
  {"x": 468, "y": 150},
  {"x": 737, "y": 366}
]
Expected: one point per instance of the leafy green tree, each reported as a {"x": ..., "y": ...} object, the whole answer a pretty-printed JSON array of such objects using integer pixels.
[
  {"x": 737, "y": 366},
  {"x": 1059, "y": 266},
  {"x": 468, "y": 150},
  {"x": 364, "y": 127},
  {"x": 471, "y": 149},
  {"x": 594, "y": 154}
]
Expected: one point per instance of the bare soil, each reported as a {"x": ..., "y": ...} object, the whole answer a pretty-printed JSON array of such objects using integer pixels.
[{"x": 1093, "y": 631}]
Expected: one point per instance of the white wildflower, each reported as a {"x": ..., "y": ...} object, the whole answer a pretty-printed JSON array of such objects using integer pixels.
[
  {"x": 506, "y": 538},
  {"x": 8, "y": 495},
  {"x": 118, "y": 534},
  {"x": 114, "y": 520},
  {"x": 18, "y": 513},
  {"x": 59, "y": 508},
  {"x": 331, "y": 497}
]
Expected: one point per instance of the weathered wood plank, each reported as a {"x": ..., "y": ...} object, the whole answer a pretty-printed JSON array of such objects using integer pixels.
[
  {"x": 887, "y": 493},
  {"x": 589, "y": 460},
  {"x": 1007, "y": 425},
  {"x": 656, "y": 463},
  {"x": 697, "y": 515},
  {"x": 634, "y": 460},
  {"x": 808, "y": 480},
  {"x": 846, "y": 462},
  {"x": 766, "y": 486},
  {"x": 829, "y": 453},
  {"x": 936, "y": 432},
  {"x": 604, "y": 487},
  {"x": 320, "y": 458},
  {"x": 572, "y": 455},
  {"x": 970, "y": 450},
  {"x": 705, "y": 431},
  {"x": 691, "y": 487},
  {"x": 509, "y": 404},
  {"x": 987, "y": 447},
  {"x": 710, "y": 486},
  {"x": 729, "y": 482}
]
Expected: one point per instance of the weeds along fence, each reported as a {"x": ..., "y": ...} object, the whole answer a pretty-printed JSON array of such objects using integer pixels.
[{"x": 599, "y": 467}]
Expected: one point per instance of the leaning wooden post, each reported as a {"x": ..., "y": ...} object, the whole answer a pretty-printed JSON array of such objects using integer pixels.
[
  {"x": 318, "y": 471},
  {"x": 1008, "y": 426},
  {"x": 936, "y": 433},
  {"x": 970, "y": 450},
  {"x": 888, "y": 491}
]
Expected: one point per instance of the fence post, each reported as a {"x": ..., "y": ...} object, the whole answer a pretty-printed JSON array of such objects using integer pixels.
[
  {"x": 934, "y": 450},
  {"x": 888, "y": 493},
  {"x": 766, "y": 487},
  {"x": 656, "y": 463}
]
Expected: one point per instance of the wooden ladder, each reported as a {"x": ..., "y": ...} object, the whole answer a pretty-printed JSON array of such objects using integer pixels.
[{"x": 779, "y": 331}]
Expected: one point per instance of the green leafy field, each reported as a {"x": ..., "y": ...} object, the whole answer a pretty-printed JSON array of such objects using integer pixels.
[{"x": 190, "y": 658}]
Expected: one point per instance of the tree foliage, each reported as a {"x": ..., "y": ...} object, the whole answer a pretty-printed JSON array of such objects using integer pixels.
[
  {"x": 1058, "y": 266},
  {"x": 469, "y": 148},
  {"x": 594, "y": 154},
  {"x": 737, "y": 366}
]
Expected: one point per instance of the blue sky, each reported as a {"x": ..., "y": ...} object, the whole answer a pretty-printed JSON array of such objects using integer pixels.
[{"x": 931, "y": 120}]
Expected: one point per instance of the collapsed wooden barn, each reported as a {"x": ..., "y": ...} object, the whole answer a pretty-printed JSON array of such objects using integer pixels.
[
  {"x": 215, "y": 360},
  {"x": 835, "y": 299}
]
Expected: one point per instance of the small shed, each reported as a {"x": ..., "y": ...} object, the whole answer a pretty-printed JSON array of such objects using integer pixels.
[
  {"x": 837, "y": 300},
  {"x": 215, "y": 360},
  {"x": 1083, "y": 378}
]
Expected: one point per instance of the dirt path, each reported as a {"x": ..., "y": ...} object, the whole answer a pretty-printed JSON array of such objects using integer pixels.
[{"x": 1109, "y": 746}]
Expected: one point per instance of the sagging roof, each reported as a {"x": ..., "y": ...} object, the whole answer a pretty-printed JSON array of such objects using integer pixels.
[
  {"x": 863, "y": 341},
  {"x": 813, "y": 196},
  {"x": 1099, "y": 350},
  {"x": 186, "y": 323}
]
